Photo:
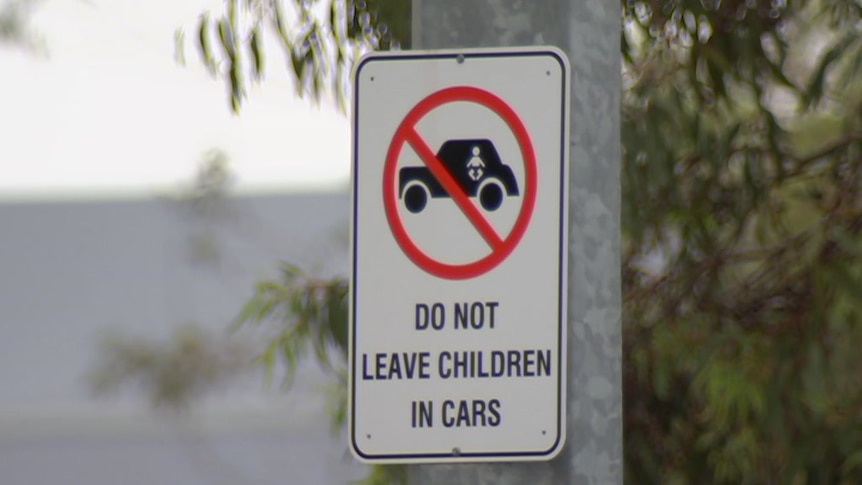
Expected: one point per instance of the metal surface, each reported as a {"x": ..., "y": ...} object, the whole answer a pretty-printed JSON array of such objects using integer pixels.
[{"x": 589, "y": 32}]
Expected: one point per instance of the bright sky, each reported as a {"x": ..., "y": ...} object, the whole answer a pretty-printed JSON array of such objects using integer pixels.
[{"x": 109, "y": 112}]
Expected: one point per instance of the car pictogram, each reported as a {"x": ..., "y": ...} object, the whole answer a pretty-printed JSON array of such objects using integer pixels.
[{"x": 473, "y": 163}]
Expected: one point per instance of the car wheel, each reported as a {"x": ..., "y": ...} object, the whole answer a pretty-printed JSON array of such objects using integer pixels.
[
  {"x": 415, "y": 198},
  {"x": 491, "y": 196}
]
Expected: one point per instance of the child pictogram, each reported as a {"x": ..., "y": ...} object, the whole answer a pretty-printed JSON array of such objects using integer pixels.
[{"x": 476, "y": 167}]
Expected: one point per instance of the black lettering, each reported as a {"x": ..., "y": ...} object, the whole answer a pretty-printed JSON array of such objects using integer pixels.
[
  {"x": 381, "y": 367},
  {"x": 514, "y": 364},
  {"x": 477, "y": 322},
  {"x": 442, "y": 369},
  {"x": 438, "y": 316},
  {"x": 425, "y": 414},
  {"x": 498, "y": 363},
  {"x": 478, "y": 412},
  {"x": 410, "y": 364},
  {"x": 471, "y": 413},
  {"x": 421, "y": 414},
  {"x": 365, "y": 375},
  {"x": 448, "y": 421},
  {"x": 460, "y": 364},
  {"x": 494, "y": 409},
  {"x": 481, "y": 372},
  {"x": 463, "y": 414},
  {"x": 424, "y": 364},
  {"x": 421, "y": 316},
  {"x": 529, "y": 363},
  {"x": 394, "y": 366},
  {"x": 477, "y": 364},
  {"x": 545, "y": 363},
  {"x": 492, "y": 305},
  {"x": 472, "y": 315},
  {"x": 461, "y": 315}
]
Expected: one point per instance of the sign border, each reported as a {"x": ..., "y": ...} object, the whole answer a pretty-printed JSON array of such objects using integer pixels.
[{"x": 460, "y": 56}]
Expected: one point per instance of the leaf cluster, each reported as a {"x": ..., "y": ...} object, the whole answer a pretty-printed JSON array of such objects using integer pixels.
[
  {"x": 319, "y": 40},
  {"x": 742, "y": 212},
  {"x": 192, "y": 363},
  {"x": 304, "y": 315},
  {"x": 15, "y": 26}
]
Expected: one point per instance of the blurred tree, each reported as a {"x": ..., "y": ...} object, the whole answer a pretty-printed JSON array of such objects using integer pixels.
[
  {"x": 195, "y": 360},
  {"x": 171, "y": 373},
  {"x": 14, "y": 23},
  {"x": 319, "y": 40},
  {"x": 742, "y": 218},
  {"x": 742, "y": 213}
]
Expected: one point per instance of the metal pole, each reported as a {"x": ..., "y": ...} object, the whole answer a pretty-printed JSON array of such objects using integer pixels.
[{"x": 589, "y": 32}]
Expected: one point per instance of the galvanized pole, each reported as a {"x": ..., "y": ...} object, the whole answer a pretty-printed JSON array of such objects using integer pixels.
[{"x": 589, "y": 32}]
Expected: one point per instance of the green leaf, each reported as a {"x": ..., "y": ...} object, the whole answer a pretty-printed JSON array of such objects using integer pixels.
[
  {"x": 231, "y": 14},
  {"x": 849, "y": 242},
  {"x": 299, "y": 62},
  {"x": 267, "y": 359},
  {"x": 204, "y": 43},
  {"x": 236, "y": 89},
  {"x": 817, "y": 85},
  {"x": 336, "y": 309},
  {"x": 256, "y": 47},
  {"x": 845, "y": 279},
  {"x": 225, "y": 34},
  {"x": 852, "y": 463},
  {"x": 179, "y": 47}
]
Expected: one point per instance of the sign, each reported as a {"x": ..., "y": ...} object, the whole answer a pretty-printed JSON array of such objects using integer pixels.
[{"x": 459, "y": 242}]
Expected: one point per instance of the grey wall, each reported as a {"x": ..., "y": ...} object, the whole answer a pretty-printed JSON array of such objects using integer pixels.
[{"x": 71, "y": 271}]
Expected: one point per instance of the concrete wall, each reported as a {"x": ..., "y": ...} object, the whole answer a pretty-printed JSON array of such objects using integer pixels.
[{"x": 71, "y": 271}]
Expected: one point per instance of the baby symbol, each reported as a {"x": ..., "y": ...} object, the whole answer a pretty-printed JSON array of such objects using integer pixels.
[{"x": 475, "y": 167}]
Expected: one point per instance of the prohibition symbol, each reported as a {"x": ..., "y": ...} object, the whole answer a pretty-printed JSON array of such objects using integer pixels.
[{"x": 501, "y": 246}]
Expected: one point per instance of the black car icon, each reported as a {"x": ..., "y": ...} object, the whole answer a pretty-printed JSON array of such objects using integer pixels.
[{"x": 473, "y": 163}]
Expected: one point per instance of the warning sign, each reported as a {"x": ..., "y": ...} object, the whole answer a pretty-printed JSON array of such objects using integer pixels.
[
  {"x": 459, "y": 244},
  {"x": 463, "y": 169}
]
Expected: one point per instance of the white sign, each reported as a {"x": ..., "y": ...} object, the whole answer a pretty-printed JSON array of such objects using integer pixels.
[{"x": 459, "y": 234}]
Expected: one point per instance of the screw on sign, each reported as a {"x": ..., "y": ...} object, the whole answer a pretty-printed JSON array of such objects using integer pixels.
[{"x": 461, "y": 169}]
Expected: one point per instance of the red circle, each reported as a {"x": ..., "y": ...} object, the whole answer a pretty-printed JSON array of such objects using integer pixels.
[{"x": 522, "y": 136}]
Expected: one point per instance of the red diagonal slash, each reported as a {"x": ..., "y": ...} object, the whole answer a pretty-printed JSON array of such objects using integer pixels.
[{"x": 455, "y": 191}]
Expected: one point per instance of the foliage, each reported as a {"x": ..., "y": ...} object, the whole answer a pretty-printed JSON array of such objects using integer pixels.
[
  {"x": 742, "y": 214},
  {"x": 320, "y": 45},
  {"x": 189, "y": 365},
  {"x": 205, "y": 204},
  {"x": 193, "y": 361},
  {"x": 14, "y": 24},
  {"x": 310, "y": 315},
  {"x": 742, "y": 219}
]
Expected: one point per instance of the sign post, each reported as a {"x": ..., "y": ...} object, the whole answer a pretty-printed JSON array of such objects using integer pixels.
[
  {"x": 459, "y": 256},
  {"x": 589, "y": 32}
]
